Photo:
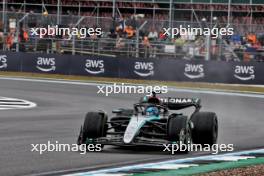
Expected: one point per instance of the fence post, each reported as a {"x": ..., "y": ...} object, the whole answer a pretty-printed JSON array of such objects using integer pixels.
[
  {"x": 73, "y": 37},
  {"x": 137, "y": 41},
  {"x": 58, "y": 12},
  {"x": 4, "y": 22},
  {"x": 17, "y": 30}
]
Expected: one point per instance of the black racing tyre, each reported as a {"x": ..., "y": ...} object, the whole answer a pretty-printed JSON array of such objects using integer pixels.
[
  {"x": 94, "y": 125},
  {"x": 179, "y": 131},
  {"x": 205, "y": 128},
  {"x": 175, "y": 126}
]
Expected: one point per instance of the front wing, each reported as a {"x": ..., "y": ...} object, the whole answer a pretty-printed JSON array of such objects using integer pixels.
[{"x": 138, "y": 141}]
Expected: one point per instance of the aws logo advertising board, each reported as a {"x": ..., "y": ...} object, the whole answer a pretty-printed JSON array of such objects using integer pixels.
[
  {"x": 3, "y": 62},
  {"x": 244, "y": 73},
  {"x": 94, "y": 66},
  {"x": 46, "y": 64},
  {"x": 194, "y": 71},
  {"x": 144, "y": 69}
]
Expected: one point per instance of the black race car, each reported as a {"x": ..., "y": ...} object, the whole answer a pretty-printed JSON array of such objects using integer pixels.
[{"x": 151, "y": 122}]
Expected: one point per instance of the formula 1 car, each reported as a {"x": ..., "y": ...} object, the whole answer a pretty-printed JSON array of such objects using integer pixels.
[{"x": 151, "y": 122}]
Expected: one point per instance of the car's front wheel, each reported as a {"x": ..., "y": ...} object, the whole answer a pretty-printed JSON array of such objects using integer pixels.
[
  {"x": 179, "y": 131},
  {"x": 94, "y": 126}
]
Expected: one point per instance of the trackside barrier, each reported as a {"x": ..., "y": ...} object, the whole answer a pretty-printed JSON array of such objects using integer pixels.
[{"x": 168, "y": 69}]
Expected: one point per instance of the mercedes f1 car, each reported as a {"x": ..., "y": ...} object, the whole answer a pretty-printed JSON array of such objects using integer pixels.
[{"x": 151, "y": 122}]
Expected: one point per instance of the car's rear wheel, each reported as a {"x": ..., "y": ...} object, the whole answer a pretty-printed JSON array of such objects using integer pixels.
[
  {"x": 179, "y": 130},
  {"x": 94, "y": 126},
  {"x": 205, "y": 128}
]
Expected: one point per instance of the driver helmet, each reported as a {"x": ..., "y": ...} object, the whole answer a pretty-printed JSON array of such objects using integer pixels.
[{"x": 152, "y": 111}]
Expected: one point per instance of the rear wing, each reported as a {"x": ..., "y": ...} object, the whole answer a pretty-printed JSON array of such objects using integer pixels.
[{"x": 181, "y": 103}]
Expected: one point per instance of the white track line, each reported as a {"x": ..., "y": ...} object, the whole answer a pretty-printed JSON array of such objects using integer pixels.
[
  {"x": 170, "y": 88},
  {"x": 14, "y": 103}
]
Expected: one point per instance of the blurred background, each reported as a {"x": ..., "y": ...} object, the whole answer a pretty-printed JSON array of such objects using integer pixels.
[{"x": 134, "y": 28}]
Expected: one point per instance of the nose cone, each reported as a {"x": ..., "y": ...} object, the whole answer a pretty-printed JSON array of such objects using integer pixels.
[{"x": 133, "y": 128}]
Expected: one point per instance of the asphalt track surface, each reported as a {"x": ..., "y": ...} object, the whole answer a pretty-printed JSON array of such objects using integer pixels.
[{"x": 61, "y": 110}]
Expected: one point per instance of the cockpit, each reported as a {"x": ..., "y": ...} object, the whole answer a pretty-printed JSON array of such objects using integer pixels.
[{"x": 149, "y": 109}]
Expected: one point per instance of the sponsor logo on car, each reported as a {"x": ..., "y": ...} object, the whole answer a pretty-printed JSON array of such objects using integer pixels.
[
  {"x": 176, "y": 100},
  {"x": 144, "y": 69},
  {"x": 94, "y": 66},
  {"x": 244, "y": 73},
  {"x": 194, "y": 71},
  {"x": 3, "y": 61},
  {"x": 46, "y": 64}
]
